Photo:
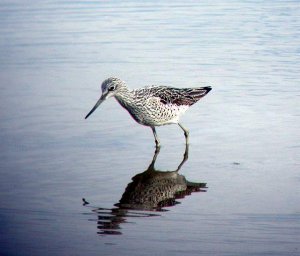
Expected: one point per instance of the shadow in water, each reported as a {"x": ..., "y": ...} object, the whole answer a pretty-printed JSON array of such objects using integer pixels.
[{"x": 149, "y": 192}]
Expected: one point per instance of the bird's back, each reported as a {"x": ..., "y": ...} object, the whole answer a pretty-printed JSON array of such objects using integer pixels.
[{"x": 172, "y": 95}]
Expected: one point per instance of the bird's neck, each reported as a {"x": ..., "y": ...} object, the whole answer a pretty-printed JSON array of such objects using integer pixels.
[{"x": 125, "y": 97}]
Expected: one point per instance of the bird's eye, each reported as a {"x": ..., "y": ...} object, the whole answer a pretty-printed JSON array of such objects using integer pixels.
[{"x": 111, "y": 88}]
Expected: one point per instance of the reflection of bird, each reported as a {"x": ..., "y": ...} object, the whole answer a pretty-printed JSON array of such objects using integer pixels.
[
  {"x": 151, "y": 190},
  {"x": 152, "y": 106},
  {"x": 154, "y": 189}
]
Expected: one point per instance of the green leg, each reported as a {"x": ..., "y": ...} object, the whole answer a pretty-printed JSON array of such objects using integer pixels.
[
  {"x": 155, "y": 137},
  {"x": 186, "y": 133}
]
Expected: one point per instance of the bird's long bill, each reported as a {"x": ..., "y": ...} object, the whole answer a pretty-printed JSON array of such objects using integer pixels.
[{"x": 102, "y": 98}]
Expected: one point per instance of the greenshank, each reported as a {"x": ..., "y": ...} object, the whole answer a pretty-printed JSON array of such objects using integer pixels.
[{"x": 154, "y": 105}]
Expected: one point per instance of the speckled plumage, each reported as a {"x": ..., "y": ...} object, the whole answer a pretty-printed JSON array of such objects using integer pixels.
[{"x": 154, "y": 105}]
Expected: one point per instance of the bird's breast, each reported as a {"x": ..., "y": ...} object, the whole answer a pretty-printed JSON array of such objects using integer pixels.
[{"x": 151, "y": 112}]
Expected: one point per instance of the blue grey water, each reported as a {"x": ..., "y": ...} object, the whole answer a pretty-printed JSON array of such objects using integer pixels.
[{"x": 244, "y": 133}]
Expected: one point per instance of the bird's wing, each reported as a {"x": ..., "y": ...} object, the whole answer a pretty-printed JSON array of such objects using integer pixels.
[{"x": 185, "y": 96}]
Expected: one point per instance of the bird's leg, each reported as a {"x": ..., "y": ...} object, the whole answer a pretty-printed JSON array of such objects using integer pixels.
[
  {"x": 185, "y": 157},
  {"x": 151, "y": 166},
  {"x": 186, "y": 133},
  {"x": 155, "y": 137}
]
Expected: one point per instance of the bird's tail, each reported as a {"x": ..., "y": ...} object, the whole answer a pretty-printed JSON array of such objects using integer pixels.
[{"x": 195, "y": 94}]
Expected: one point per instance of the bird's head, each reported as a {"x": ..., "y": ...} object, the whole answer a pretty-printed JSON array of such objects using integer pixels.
[{"x": 110, "y": 87}]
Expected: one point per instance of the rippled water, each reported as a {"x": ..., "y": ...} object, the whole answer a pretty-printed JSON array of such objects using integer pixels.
[{"x": 243, "y": 160}]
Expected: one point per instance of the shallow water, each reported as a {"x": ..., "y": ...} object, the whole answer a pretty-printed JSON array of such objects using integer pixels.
[{"x": 244, "y": 133}]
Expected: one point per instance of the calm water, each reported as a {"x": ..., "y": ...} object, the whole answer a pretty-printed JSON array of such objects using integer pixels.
[{"x": 244, "y": 154}]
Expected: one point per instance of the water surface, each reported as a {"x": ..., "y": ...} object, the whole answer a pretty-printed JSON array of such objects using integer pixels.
[{"x": 244, "y": 133}]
